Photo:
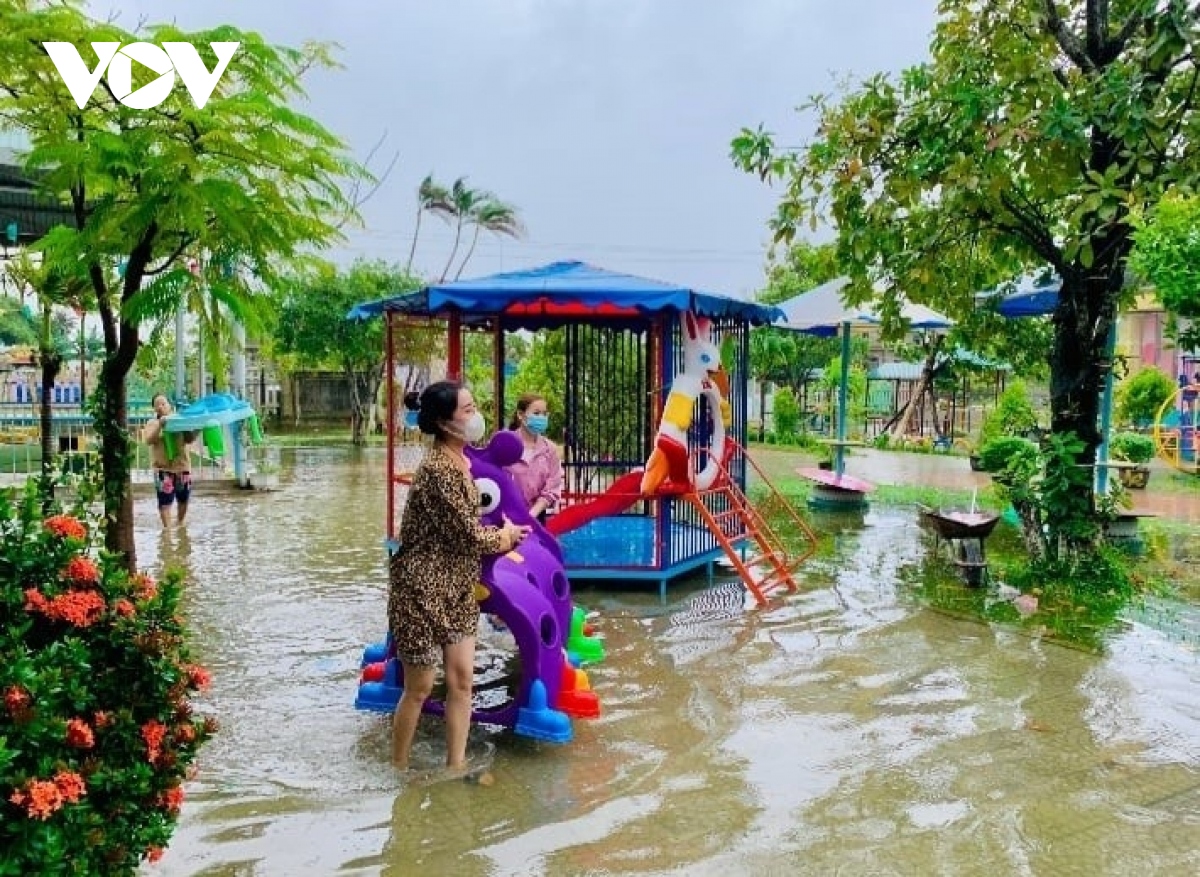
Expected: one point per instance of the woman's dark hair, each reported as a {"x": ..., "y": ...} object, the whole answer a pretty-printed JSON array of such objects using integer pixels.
[
  {"x": 522, "y": 406},
  {"x": 435, "y": 406}
]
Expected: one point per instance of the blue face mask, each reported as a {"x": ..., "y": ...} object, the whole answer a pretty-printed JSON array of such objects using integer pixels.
[{"x": 537, "y": 423}]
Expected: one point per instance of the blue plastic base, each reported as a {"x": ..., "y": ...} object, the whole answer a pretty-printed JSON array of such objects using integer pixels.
[
  {"x": 377, "y": 697},
  {"x": 538, "y": 722}
]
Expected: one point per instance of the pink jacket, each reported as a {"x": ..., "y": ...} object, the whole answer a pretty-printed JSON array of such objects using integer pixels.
[{"x": 539, "y": 473}]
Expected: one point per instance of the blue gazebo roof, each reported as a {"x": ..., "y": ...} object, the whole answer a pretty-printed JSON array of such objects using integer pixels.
[{"x": 564, "y": 291}]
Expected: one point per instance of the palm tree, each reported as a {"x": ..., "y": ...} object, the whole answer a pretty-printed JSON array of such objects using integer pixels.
[
  {"x": 494, "y": 216},
  {"x": 431, "y": 197},
  {"x": 463, "y": 202}
]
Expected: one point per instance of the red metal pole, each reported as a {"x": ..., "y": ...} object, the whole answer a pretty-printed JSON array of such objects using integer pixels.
[
  {"x": 454, "y": 352},
  {"x": 390, "y": 413}
]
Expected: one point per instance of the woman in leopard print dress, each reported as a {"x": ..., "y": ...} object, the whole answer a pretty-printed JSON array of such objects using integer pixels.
[{"x": 432, "y": 610}]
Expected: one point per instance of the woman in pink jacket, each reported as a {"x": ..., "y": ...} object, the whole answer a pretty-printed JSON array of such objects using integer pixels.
[{"x": 539, "y": 472}]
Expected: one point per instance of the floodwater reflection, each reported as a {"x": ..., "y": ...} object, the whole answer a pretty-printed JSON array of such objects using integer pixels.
[{"x": 846, "y": 729}]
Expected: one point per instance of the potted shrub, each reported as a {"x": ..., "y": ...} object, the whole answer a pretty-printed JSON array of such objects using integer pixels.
[{"x": 1135, "y": 448}]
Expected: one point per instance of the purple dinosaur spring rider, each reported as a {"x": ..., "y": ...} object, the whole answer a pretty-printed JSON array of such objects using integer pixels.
[{"x": 527, "y": 589}]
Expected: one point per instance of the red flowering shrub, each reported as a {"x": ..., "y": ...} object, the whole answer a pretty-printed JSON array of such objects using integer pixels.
[{"x": 97, "y": 733}]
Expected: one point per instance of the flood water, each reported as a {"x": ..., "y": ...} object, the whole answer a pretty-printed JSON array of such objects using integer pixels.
[{"x": 848, "y": 730}]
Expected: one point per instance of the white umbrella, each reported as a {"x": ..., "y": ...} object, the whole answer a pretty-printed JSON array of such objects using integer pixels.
[{"x": 821, "y": 311}]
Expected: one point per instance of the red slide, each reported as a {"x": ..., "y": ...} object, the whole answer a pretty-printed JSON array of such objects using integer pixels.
[{"x": 623, "y": 493}]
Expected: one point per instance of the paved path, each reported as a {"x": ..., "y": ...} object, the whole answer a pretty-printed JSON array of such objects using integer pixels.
[{"x": 946, "y": 470}]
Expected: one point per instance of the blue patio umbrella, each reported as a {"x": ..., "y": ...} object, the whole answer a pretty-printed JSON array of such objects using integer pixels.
[
  {"x": 1037, "y": 296},
  {"x": 1032, "y": 296},
  {"x": 821, "y": 312}
]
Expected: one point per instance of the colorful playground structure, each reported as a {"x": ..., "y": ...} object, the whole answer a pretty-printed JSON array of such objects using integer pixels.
[
  {"x": 215, "y": 418},
  {"x": 642, "y": 503},
  {"x": 628, "y": 369},
  {"x": 1176, "y": 434},
  {"x": 528, "y": 591}
]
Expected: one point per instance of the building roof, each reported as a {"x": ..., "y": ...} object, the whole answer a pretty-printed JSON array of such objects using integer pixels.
[{"x": 20, "y": 203}]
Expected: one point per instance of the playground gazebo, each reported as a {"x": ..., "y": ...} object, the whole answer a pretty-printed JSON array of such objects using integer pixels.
[{"x": 622, "y": 351}]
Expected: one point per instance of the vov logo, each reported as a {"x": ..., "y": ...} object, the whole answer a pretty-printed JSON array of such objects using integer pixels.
[{"x": 165, "y": 60}]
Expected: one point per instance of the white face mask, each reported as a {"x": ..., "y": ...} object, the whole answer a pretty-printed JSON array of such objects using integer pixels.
[{"x": 474, "y": 429}]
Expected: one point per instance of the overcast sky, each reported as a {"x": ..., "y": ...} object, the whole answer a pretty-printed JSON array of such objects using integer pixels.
[{"x": 606, "y": 122}]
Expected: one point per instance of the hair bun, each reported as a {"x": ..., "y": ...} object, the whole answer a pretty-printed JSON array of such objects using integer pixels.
[{"x": 412, "y": 400}]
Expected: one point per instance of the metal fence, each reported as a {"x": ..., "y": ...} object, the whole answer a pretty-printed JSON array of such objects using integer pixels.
[{"x": 75, "y": 443}]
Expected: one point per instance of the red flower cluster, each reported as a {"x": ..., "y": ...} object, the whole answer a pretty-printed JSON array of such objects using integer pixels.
[
  {"x": 16, "y": 699},
  {"x": 81, "y": 608},
  {"x": 144, "y": 587},
  {"x": 66, "y": 527},
  {"x": 79, "y": 734},
  {"x": 154, "y": 732},
  {"x": 172, "y": 799},
  {"x": 198, "y": 677},
  {"x": 41, "y": 798},
  {"x": 123, "y": 608},
  {"x": 81, "y": 571}
]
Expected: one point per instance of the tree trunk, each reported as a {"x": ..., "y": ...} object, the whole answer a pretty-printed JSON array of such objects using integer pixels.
[
  {"x": 762, "y": 411},
  {"x": 358, "y": 418},
  {"x": 470, "y": 252},
  {"x": 112, "y": 424},
  {"x": 1031, "y": 529},
  {"x": 453, "y": 250},
  {"x": 111, "y": 419},
  {"x": 412, "y": 250},
  {"x": 295, "y": 378},
  {"x": 50, "y": 363},
  {"x": 1078, "y": 358},
  {"x": 900, "y": 429}
]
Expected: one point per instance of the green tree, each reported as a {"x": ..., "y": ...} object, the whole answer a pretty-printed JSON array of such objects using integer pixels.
[
  {"x": 246, "y": 174},
  {"x": 16, "y": 323},
  {"x": 786, "y": 416},
  {"x": 542, "y": 370},
  {"x": 1166, "y": 252},
  {"x": 313, "y": 327},
  {"x": 804, "y": 266},
  {"x": 1141, "y": 397},
  {"x": 1030, "y": 136}
]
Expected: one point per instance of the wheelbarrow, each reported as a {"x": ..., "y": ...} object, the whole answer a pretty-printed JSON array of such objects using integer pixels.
[{"x": 965, "y": 532}]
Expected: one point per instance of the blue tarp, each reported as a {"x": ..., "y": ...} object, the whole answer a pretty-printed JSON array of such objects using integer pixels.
[{"x": 566, "y": 290}]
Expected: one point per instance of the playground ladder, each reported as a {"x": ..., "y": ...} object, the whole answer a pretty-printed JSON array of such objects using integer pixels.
[{"x": 761, "y": 556}]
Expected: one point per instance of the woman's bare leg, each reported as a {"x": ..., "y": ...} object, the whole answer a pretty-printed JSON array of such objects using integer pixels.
[
  {"x": 418, "y": 682},
  {"x": 460, "y": 676}
]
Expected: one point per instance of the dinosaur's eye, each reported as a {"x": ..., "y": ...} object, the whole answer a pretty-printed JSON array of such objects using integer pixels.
[{"x": 489, "y": 495}]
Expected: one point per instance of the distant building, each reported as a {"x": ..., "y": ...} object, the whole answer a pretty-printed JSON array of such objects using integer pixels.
[{"x": 25, "y": 215}]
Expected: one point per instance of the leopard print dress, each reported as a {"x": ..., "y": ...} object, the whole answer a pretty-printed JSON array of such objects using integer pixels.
[{"x": 431, "y": 592}]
